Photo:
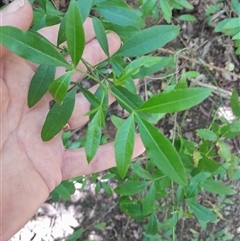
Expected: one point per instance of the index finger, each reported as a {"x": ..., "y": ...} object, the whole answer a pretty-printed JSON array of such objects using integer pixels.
[
  {"x": 17, "y": 14},
  {"x": 51, "y": 33}
]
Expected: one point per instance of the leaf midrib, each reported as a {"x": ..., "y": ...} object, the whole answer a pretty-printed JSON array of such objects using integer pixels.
[
  {"x": 170, "y": 103},
  {"x": 161, "y": 151},
  {"x": 148, "y": 42},
  {"x": 16, "y": 41},
  {"x": 133, "y": 20}
]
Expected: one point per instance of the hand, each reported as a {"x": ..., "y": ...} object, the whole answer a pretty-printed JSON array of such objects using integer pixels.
[{"x": 31, "y": 168}]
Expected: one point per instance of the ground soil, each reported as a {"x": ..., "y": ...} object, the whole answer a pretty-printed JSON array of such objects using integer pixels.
[{"x": 55, "y": 221}]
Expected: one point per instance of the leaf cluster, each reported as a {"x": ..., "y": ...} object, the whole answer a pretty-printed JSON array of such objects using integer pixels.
[
  {"x": 165, "y": 8},
  {"x": 177, "y": 168},
  {"x": 231, "y": 26}
]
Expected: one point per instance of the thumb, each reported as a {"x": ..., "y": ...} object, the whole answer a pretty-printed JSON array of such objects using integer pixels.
[{"x": 18, "y": 14}]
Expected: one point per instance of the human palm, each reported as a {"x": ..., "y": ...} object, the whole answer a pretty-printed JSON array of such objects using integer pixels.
[
  {"x": 31, "y": 168},
  {"x": 24, "y": 125}
]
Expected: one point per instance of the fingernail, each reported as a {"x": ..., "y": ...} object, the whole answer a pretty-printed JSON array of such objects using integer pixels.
[{"x": 14, "y": 6}]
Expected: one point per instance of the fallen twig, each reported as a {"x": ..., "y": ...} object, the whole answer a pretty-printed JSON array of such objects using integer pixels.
[
  {"x": 200, "y": 62},
  {"x": 217, "y": 90}
]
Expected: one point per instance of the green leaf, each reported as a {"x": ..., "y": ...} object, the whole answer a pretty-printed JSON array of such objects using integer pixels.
[
  {"x": 131, "y": 187},
  {"x": 40, "y": 83},
  {"x": 169, "y": 223},
  {"x": 124, "y": 144},
  {"x": 100, "y": 225},
  {"x": 161, "y": 152},
  {"x": 236, "y": 36},
  {"x": 120, "y": 15},
  {"x": 148, "y": 7},
  {"x": 148, "y": 40},
  {"x": 202, "y": 213},
  {"x": 69, "y": 185},
  {"x": 97, "y": 187},
  {"x": 65, "y": 139},
  {"x": 131, "y": 208},
  {"x": 207, "y": 134},
  {"x": 108, "y": 176},
  {"x": 52, "y": 20},
  {"x": 102, "y": 97},
  {"x": 226, "y": 130},
  {"x": 94, "y": 177},
  {"x": 135, "y": 66},
  {"x": 93, "y": 135},
  {"x": 41, "y": 23},
  {"x": 190, "y": 75},
  {"x": 232, "y": 23},
  {"x": 196, "y": 157},
  {"x": 185, "y": 4},
  {"x": 76, "y": 235},
  {"x": 74, "y": 33},
  {"x": 101, "y": 35},
  {"x": 180, "y": 194},
  {"x": 138, "y": 170},
  {"x": 62, "y": 31},
  {"x": 117, "y": 122},
  {"x": 195, "y": 186},
  {"x": 59, "y": 87},
  {"x": 31, "y": 46},
  {"x": 93, "y": 100},
  {"x": 217, "y": 187},
  {"x": 228, "y": 236},
  {"x": 166, "y": 10},
  {"x": 84, "y": 7},
  {"x": 58, "y": 116},
  {"x": 224, "y": 150},
  {"x": 45, "y": 18},
  {"x": 55, "y": 196},
  {"x": 42, "y": 4},
  {"x": 236, "y": 6},
  {"x": 118, "y": 64},
  {"x": 107, "y": 188},
  {"x": 91, "y": 112},
  {"x": 51, "y": 10},
  {"x": 119, "y": 3},
  {"x": 175, "y": 100},
  {"x": 124, "y": 32},
  {"x": 209, "y": 164},
  {"x": 148, "y": 202},
  {"x": 237, "y": 51},
  {"x": 126, "y": 99},
  {"x": 102, "y": 94},
  {"x": 187, "y": 18},
  {"x": 127, "y": 83},
  {"x": 146, "y": 71},
  {"x": 63, "y": 191},
  {"x": 211, "y": 10},
  {"x": 152, "y": 226},
  {"x": 220, "y": 25},
  {"x": 236, "y": 175},
  {"x": 182, "y": 84},
  {"x": 235, "y": 104}
]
